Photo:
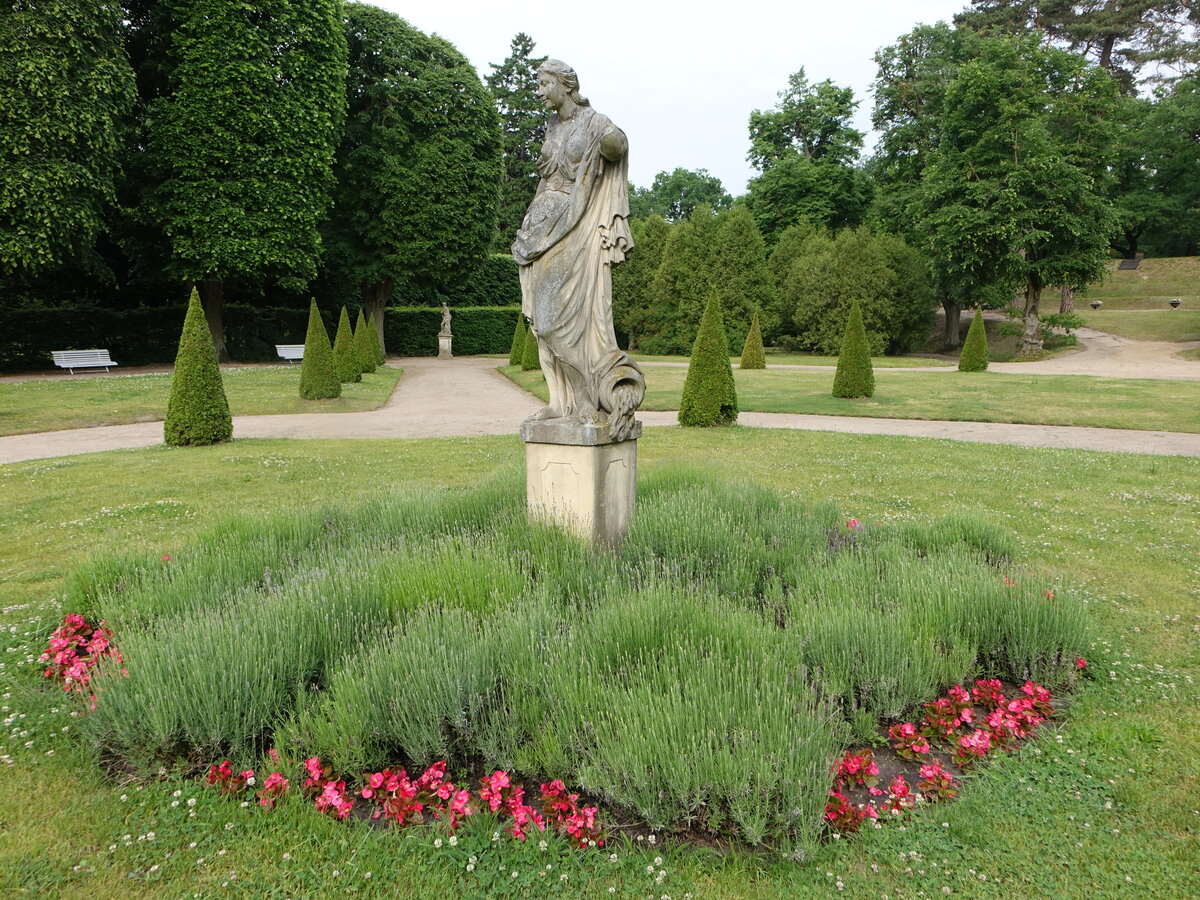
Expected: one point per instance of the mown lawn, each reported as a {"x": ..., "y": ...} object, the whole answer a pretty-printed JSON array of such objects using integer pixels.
[
  {"x": 1164, "y": 324},
  {"x": 953, "y": 395},
  {"x": 54, "y": 404},
  {"x": 1104, "y": 806},
  {"x": 781, "y": 358}
]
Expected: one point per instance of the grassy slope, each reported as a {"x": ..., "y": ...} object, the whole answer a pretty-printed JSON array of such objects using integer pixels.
[
  {"x": 58, "y": 403},
  {"x": 973, "y": 397},
  {"x": 1114, "y": 800},
  {"x": 1135, "y": 301}
]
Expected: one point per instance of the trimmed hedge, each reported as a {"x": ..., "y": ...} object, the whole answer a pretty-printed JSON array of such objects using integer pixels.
[
  {"x": 753, "y": 355},
  {"x": 974, "y": 357},
  {"x": 854, "y": 376},
  {"x": 150, "y": 335},
  {"x": 478, "y": 330},
  {"x": 197, "y": 410},
  {"x": 318, "y": 378},
  {"x": 709, "y": 393}
]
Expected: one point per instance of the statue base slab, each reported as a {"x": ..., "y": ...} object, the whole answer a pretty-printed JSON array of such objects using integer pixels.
[
  {"x": 444, "y": 346},
  {"x": 580, "y": 479}
]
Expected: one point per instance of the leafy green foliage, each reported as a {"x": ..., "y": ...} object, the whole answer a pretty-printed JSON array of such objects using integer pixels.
[
  {"x": 412, "y": 331},
  {"x": 197, "y": 411},
  {"x": 819, "y": 192},
  {"x": 738, "y": 270},
  {"x": 517, "y": 351},
  {"x": 240, "y": 146},
  {"x": 634, "y": 314},
  {"x": 680, "y": 286},
  {"x": 376, "y": 341},
  {"x": 523, "y": 118},
  {"x": 887, "y": 277},
  {"x": 318, "y": 377},
  {"x": 709, "y": 396},
  {"x": 753, "y": 356},
  {"x": 529, "y": 353},
  {"x": 854, "y": 376},
  {"x": 811, "y": 120},
  {"x": 345, "y": 354},
  {"x": 67, "y": 88},
  {"x": 675, "y": 195},
  {"x": 974, "y": 356},
  {"x": 418, "y": 169},
  {"x": 365, "y": 343}
]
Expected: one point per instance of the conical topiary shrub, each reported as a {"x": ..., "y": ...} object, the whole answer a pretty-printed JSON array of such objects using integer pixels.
[
  {"x": 529, "y": 355},
  {"x": 318, "y": 378},
  {"x": 376, "y": 343},
  {"x": 974, "y": 356},
  {"x": 197, "y": 411},
  {"x": 753, "y": 356},
  {"x": 854, "y": 376},
  {"x": 518, "y": 343},
  {"x": 709, "y": 395},
  {"x": 362, "y": 343},
  {"x": 345, "y": 355}
]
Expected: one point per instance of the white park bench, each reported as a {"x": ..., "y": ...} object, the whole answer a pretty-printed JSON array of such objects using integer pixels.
[
  {"x": 81, "y": 359},
  {"x": 290, "y": 352}
]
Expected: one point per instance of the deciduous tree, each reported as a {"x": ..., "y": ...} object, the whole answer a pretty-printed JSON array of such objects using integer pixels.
[{"x": 674, "y": 195}]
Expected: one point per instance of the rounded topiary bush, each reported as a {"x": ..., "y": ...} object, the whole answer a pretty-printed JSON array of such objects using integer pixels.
[
  {"x": 363, "y": 344},
  {"x": 974, "y": 356},
  {"x": 197, "y": 411},
  {"x": 753, "y": 356},
  {"x": 318, "y": 378},
  {"x": 529, "y": 354},
  {"x": 345, "y": 354},
  {"x": 854, "y": 376},
  {"x": 709, "y": 394},
  {"x": 518, "y": 343}
]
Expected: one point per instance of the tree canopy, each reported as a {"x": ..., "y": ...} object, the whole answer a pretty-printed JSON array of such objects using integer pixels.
[
  {"x": 68, "y": 87},
  {"x": 674, "y": 195},
  {"x": 523, "y": 118},
  {"x": 812, "y": 120},
  {"x": 419, "y": 167}
]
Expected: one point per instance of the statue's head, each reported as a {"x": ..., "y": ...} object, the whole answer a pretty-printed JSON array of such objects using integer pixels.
[{"x": 566, "y": 76}]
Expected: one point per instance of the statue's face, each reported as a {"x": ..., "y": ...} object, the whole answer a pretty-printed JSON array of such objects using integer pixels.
[{"x": 551, "y": 90}]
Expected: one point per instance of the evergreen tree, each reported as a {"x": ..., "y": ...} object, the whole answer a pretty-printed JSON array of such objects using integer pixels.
[
  {"x": 740, "y": 273},
  {"x": 318, "y": 378},
  {"x": 517, "y": 352},
  {"x": 523, "y": 117},
  {"x": 364, "y": 343},
  {"x": 753, "y": 356},
  {"x": 345, "y": 355},
  {"x": 680, "y": 286},
  {"x": 974, "y": 357},
  {"x": 377, "y": 341},
  {"x": 529, "y": 353},
  {"x": 632, "y": 280},
  {"x": 854, "y": 376},
  {"x": 709, "y": 394},
  {"x": 197, "y": 411}
]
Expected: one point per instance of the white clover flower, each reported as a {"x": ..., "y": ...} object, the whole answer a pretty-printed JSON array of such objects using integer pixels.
[{"x": 453, "y": 840}]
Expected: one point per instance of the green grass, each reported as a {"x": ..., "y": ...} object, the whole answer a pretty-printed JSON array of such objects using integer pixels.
[
  {"x": 781, "y": 358},
  {"x": 967, "y": 397},
  {"x": 58, "y": 403},
  {"x": 1114, "y": 800},
  {"x": 1193, "y": 354},
  {"x": 1165, "y": 324},
  {"x": 1149, "y": 286}
]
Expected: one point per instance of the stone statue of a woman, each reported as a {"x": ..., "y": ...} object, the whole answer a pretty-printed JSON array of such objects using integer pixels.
[{"x": 574, "y": 231}]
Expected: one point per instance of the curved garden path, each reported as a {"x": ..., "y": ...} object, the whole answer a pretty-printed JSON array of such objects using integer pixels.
[{"x": 467, "y": 396}]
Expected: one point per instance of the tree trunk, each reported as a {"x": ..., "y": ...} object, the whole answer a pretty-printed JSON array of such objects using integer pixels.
[
  {"x": 1066, "y": 302},
  {"x": 212, "y": 298},
  {"x": 950, "y": 334},
  {"x": 374, "y": 299},
  {"x": 1031, "y": 339}
]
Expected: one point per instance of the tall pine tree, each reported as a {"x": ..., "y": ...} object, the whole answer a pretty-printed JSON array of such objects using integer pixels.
[{"x": 523, "y": 116}]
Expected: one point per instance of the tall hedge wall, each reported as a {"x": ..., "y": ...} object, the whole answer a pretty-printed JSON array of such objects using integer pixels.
[{"x": 145, "y": 336}]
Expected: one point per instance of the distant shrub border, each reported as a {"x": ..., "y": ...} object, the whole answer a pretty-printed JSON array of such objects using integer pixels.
[{"x": 150, "y": 336}]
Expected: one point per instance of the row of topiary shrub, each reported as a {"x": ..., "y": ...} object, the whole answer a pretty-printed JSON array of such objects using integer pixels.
[{"x": 147, "y": 336}]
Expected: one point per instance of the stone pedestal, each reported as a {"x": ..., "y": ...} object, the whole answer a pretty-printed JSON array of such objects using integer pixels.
[
  {"x": 444, "y": 340},
  {"x": 577, "y": 477}
]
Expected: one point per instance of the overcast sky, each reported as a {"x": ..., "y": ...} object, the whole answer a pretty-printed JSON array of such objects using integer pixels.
[{"x": 681, "y": 78}]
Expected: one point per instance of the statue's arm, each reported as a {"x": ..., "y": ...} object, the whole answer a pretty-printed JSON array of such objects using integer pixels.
[{"x": 613, "y": 145}]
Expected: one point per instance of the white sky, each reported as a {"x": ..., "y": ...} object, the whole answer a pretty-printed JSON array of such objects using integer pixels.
[{"x": 681, "y": 78}]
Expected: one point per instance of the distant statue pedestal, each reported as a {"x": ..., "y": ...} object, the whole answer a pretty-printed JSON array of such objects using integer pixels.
[
  {"x": 580, "y": 479},
  {"x": 444, "y": 340}
]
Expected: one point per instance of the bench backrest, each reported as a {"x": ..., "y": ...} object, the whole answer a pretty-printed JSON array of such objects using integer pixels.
[
  {"x": 290, "y": 351},
  {"x": 99, "y": 357}
]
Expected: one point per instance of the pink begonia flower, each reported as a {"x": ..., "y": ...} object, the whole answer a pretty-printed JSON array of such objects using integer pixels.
[
  {"x": 852, "y": 524},
  {"x": 1049, "y": 594},
  {"x": 166, "y": 557},
  {"x": 1081, "y": 663}
]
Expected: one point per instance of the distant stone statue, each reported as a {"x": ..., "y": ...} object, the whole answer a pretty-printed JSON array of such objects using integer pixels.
[
  {"x": 445, "y": 319},
  {"x": 574, "y": 231}
]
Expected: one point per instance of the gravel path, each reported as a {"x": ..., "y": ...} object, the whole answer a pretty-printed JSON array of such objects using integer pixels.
[{"x": 467, "y": 396}]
